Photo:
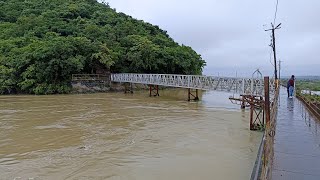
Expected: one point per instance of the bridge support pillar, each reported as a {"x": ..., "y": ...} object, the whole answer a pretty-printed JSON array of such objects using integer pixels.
[
  {"x": 256, "y": 117},
  {"x": 195, "y": 96},
  {"x": 153, "y": 90},
  {"x": 257, "y": 111},
  {"x": 128, "y": 88}
]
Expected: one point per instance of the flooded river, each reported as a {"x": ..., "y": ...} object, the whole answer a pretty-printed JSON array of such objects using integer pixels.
[{"x": 124, "y": 136}]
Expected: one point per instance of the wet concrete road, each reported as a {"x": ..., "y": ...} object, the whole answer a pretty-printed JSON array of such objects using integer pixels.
[{"x": 297, "y": 142}]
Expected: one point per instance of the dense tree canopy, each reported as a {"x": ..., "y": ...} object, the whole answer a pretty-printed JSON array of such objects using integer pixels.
[{"x": 44, "y": 42}]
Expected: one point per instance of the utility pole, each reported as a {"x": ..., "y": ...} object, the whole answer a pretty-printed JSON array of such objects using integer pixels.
[{"x": 273, "y": 45}]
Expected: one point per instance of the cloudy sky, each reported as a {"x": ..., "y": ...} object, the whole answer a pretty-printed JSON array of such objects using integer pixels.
[{"x": 230, "y": 36}]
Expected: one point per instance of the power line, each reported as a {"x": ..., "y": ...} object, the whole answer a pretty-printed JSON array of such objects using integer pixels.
[
  {"x": 273, "y": 45},
  {"x": 273, "y": 40}
]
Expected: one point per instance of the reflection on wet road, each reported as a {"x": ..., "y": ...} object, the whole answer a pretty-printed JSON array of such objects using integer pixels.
[{"x": 117, "y": 136}]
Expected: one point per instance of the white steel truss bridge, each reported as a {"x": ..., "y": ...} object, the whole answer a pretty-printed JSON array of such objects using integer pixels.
[
  {"x": 243, "y": 86},
  {"x": 252, "y": 92}
]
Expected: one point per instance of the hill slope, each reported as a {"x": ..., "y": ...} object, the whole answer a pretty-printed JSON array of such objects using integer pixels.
[{"x": 43, "y": 42}]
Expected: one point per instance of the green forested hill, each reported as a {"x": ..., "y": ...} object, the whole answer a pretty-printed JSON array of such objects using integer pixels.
[{"x": 44, "y": 42}]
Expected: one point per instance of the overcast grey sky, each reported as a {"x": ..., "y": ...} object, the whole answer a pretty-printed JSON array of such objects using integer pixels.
[{"x": 230, "y": 36}]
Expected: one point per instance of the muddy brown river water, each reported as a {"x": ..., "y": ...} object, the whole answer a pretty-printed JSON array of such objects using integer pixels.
[{"x": 118, "y": 136}]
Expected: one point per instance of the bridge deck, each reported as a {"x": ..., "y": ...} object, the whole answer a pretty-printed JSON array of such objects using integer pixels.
[
  {"x": 253, "y": 86},
  {"x": 297, "y": 139}
]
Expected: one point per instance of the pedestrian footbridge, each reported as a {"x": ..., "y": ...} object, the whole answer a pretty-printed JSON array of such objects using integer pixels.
[{"x": 248, "y": 86}]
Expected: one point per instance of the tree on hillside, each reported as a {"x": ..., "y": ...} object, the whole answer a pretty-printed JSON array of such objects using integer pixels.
[{"x": 44, "y": 42}]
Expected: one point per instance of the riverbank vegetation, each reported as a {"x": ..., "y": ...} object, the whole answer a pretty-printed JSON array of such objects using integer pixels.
[
  {"x": 312, "y": 85},
  {"x": 305, "y": 84},
  {"x": 44, "y": 42},
  {"x": 308, "y": 85},
  {"x": 310, "y": 94}
]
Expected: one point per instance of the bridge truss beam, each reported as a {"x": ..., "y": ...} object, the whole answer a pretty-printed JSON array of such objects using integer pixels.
[{"x": 252, "y": 86}]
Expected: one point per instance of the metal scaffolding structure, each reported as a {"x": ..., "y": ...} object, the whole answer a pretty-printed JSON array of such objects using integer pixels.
[{"x": 248, "y": 86}]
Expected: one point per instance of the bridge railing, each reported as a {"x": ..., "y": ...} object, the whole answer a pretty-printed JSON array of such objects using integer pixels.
[
  {"x": 263, "y": 166},
  {"x": 269, "y": 137},
  {"x": 237, "y": 85}
]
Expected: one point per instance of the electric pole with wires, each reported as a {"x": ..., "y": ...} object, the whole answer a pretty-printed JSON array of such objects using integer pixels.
[{"x": 273, "y": 45}]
